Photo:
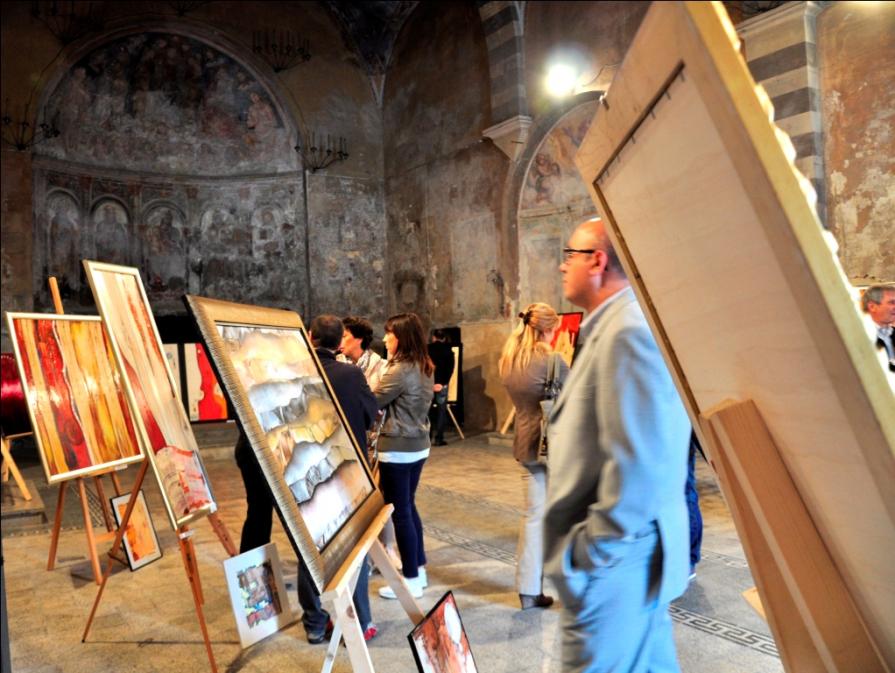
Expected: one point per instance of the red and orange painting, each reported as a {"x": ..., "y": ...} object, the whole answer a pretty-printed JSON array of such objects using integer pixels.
[
  {"x": 566, "y": 336},
  {"x": 204, "y": 395},
  {"x": 140, "y": 541},
  {"x": 77, "y": 405},
  {"x": 439, "y": 642},
  {"x": 122, "y": 302}
]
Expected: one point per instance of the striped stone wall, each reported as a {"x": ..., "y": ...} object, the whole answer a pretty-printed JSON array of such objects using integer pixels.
[
  {"x": 502, "y": 22},
  {"x": 781, "y": 49}
]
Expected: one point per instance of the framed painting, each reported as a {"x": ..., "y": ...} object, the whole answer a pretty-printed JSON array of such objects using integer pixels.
[
  {"x": 566, "y": 337},
  {"x": 317, "y": 474},
  {"x": 152, "y": 392},
  {"x": 257, "y": 594},
  {"x": 439, "y": 642},
  {"x": 717, "y": 230},
  {"x": 82, "y": 423},
  {"x": 140, "y": 540}
]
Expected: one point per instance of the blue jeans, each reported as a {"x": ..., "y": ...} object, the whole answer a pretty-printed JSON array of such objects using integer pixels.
[
  {"x": 398, "y": 482},
  {"x": 693, "y": 504}
]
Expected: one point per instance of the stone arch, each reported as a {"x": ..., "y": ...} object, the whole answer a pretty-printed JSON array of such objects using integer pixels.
[
  {"x": 166, "y": 117},
  {"x": 517, "y": 229}
]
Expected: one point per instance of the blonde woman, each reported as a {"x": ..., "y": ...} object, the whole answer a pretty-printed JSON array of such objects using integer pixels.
[{"x": 523, "y": 370}]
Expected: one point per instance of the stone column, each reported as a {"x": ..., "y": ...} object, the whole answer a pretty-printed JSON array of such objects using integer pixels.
[
  {"x": 503, "y": 25},
  {"x": 781, "y": 49}
]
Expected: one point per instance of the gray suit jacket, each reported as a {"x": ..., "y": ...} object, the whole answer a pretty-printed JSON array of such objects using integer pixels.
[{"x": 618, "y": 457}]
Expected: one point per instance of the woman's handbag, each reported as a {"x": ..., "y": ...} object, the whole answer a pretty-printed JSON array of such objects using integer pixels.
[{"x": 551, "y": 391}]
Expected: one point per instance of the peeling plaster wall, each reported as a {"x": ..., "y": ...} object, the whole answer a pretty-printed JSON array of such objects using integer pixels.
[
  {"x": 444, "y": 193},
  {"x": 254, "y": 251},
  {"x": 856, "y": 43}
]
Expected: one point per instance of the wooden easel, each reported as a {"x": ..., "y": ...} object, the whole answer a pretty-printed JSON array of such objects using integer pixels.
[
  {"x": 9, "y": 465},
  {"x": 187, "y": 553},
  {"x": 92, "y": 538},
  {"x": 447, "y": 405},
  {"x": 337, "y": 597},
  {"x": 808, "y": 606},
  {"x": 505, "y": 428}
]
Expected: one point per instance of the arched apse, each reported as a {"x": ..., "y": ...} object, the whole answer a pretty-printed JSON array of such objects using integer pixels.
[
  {"x": 553, "y": 199},
  {"x": 161, "y": 124}
]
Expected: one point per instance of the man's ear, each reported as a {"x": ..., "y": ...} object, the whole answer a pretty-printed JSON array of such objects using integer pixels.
[{"x": 599, "y": 261}]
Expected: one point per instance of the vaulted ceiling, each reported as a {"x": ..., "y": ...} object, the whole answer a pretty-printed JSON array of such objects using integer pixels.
[{"x": 371, "y": 28}]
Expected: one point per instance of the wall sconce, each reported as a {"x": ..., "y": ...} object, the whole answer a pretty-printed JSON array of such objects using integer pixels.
[
  {"x": 20, "y": 134},
  {"x": 282, "y": 49},
  {"x": 318, "y": 151}
]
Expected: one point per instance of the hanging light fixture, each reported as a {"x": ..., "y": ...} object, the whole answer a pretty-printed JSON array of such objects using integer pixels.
[
  {"x": 282, "y": 49},
  {"x": 319, "y": 151}
]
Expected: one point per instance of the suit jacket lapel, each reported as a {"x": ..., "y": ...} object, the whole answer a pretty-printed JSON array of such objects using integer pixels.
[{"x": 589, "y": 344}]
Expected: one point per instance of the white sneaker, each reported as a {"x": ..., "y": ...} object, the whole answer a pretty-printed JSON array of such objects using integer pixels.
[
  {"x": 422, "y": 576},
  {"x": 415, "y": 585}
]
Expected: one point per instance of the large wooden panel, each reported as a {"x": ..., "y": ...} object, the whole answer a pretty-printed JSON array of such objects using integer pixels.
[{"x": 740, "y": 285}]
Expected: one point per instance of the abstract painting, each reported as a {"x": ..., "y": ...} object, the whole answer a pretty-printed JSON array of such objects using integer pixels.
[
  {"x": 140, "y": 541},
  {"x": 439, "y": 642},
  {"x": 204, "y": 397},
  {"x": 152, "y": 392},
  {"x": 257, "y": 593},
  {"x": 316, "y": 471},
  {"x": 566, "y": 336},
  {"x": 78, "y": 409}
]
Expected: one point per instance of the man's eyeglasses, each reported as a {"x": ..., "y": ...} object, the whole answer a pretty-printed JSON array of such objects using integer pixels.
[{"x": 568, "y": 253}]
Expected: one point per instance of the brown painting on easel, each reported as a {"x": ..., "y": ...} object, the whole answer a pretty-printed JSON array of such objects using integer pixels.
[{"x": 717, "y": 232}]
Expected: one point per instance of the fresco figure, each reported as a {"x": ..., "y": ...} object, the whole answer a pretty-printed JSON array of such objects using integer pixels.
[{"x": 111, "y": 233}]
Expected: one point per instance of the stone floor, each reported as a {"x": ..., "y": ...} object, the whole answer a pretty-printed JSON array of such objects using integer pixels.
[{"x": 469, "y": 500}]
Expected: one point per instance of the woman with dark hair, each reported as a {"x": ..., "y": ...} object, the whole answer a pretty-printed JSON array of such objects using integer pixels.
[
  {"x": 356, "y": 348},
  {"x": 405, "y": 392}
]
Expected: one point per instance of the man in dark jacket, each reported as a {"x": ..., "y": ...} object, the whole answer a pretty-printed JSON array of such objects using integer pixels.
[
  {"x": 443, "y": 358},
  {"x": 359, "y": 406}
]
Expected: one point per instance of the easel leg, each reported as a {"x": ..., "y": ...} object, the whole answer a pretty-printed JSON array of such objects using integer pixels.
[
  {"x": 454, "y": 419},
  {"x": 57, "y": 524},
  {"x": 188, "y": 554},
  {"x": 9, "y": 465},
  {"x": 223, "y": 534},
  {"x": 505, "y": 428},
  {"x": 344, "y": 616},
  {"x": 116, "y": 483},
  {"x": 396, "y": 582},
  {"x": 117, "y": 543},
  {"x": 88, "y": 529}
]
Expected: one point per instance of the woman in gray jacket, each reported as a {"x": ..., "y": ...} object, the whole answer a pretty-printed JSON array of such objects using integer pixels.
[
  {"x": 523, "y": 369},
  {"x": 405, "y": 391}
]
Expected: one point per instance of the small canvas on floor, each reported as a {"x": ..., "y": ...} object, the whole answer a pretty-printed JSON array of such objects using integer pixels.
[
  {"x": 140, "y": 540},
  {"x": 257, "y": 594},
  {"x": 439, "y": 642}
]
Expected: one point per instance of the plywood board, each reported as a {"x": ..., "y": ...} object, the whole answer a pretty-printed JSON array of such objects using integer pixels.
[{"x": 740, "y": 286}]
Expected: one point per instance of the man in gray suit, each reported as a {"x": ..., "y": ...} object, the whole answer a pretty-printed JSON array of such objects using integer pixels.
[{"x": 616, "y": 529}]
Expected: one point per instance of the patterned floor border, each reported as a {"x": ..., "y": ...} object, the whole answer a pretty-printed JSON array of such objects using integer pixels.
[{"x": 715, "y": 627}]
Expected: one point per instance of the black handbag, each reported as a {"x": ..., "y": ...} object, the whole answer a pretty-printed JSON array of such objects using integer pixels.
[{"x": 552, "y": 388}]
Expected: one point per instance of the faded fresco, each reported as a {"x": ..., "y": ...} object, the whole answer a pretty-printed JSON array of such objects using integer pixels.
[
  {"x": 553, "y": 201},
  {"x": 552, "y": 181},
  {"x": 230, "y": 241},
  {"x": 169, "y": 104}
]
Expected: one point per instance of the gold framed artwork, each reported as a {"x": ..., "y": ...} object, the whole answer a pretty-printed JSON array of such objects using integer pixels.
[
  {"x": 82, "y": 423},
  {"x": 257, "y": 594},
  {"x": 140, "y": 540},
  {"x": 317, "y": 474},
  {"x": 152, "y": 392}
]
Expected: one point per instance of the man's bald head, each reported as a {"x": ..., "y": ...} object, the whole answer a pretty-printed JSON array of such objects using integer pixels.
[{"x": 594, "y": 231}]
